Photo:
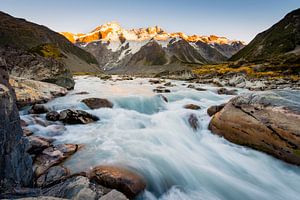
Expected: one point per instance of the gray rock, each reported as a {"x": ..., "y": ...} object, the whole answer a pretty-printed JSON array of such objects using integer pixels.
[
  {"x": 77, "y": 188},
  {"x": 114, "y": 195},
  {"x": 53, "y": 156},
  {"x": 15, "y": 163},
  {"x": 52, "y": 174}
]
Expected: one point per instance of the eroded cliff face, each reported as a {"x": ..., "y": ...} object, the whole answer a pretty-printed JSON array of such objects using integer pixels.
[{"x": 15, "y": 163}]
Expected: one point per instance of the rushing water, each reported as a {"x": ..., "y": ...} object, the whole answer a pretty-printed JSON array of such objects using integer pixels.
[{"x": 144, "y": 133}]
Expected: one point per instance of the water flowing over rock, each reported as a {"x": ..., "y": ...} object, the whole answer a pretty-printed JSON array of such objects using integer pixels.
[
  {"x": 128, "y": 182},
  {"x": 266, "y": 121},
  {"x": 15, "y": 163}
]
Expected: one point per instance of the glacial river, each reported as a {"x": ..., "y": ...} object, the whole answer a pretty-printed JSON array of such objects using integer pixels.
[{"x": 153, "y": 137}]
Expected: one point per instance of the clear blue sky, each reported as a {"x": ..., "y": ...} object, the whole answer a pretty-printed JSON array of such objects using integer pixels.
[{"x": 236, "y": 19}]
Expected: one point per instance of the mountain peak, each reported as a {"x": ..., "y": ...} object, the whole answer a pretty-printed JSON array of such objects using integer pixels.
[{"x": 112, "y": 31}]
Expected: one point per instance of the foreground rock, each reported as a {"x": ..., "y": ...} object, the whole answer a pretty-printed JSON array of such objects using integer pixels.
[
  {"x": 52, "y": 156},
  {"x": 266, "y": 121},
  {"x": 52, "y": 174},
  {"x": 31, "y": 92},
  {"x": 125, "y": 181},
  {"x": 71, "y": 116},
  {"x": 114, "y": 195},
  {"x": 96, "y": 103},
  {"x": 15, "y": 163},
  {"x": 76, "y": 187}
]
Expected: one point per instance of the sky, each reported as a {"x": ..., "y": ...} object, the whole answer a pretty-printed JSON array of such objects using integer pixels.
[{"x": 235, "y": 19}]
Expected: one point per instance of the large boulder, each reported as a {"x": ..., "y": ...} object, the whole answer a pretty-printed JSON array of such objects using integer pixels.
[
  {"x": 15, "y": 163},
  {"x": 95, "y": 103},
  {"x": 123, "y": 180},
  {"x": 31, "y": 92},
  {"x": 266, "y": 121}
]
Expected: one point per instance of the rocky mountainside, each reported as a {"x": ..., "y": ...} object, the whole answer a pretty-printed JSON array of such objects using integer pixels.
[
  {"x": 36, "y": 52},
  {"x": 280, "y": 41},
  {"x": 116, "y": 48}
]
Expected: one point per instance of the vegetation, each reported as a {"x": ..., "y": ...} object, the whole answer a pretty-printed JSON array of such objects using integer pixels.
[
  {"x": 267, "y": 70},
  {"x": 48, "y": 51}
]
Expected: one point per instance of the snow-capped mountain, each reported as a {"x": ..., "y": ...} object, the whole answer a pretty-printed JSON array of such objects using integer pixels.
[{"x": 115, "y": 47}]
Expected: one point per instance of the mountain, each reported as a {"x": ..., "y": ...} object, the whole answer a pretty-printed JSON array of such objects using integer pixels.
[
  {"x": 36, "y": 52},
  {"x": 281, "y": 41},
  {"x": 116, "y": 48}
]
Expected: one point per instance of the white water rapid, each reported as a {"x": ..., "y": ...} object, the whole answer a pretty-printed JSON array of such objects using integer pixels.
[{"x": 152, "y": 137}]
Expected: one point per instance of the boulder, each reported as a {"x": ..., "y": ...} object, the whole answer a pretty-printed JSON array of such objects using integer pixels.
[
  {"x": 123, "y": 180},
  {"x": 192, "y": 107},
  {"x": 226, "y": 91},
  {"x": 71, "y": 116},
  {"x": 74, "y": 187},
  {"x": 95, "y": 103},
  {"x": 38, "y": 109},
  {"x": 31, "y": 92},
  {"x": 266, "y": 121},
  {"x": 53, "y": 155},
  {"x": 52, "y": 116},
  {"x": 214, "y": 109},
  {"x": 52, "y": 174},
  {"x": 15, "y": 162}
]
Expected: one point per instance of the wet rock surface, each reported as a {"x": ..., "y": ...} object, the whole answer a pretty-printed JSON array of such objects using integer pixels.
[
  {"x": 95, "y": 103},
  {"x": 53, "y": 155},
  {"x": 192, "y": 107},
  {"x": 214, "y": 109},
  {"x": 127, "y": 182},
  {"x": 266, "y": 121},
  {"x": 71, "y": 116}
]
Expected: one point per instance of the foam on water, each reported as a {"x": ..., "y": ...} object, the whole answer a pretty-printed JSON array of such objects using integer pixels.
[{"x": 154, "y": 138}]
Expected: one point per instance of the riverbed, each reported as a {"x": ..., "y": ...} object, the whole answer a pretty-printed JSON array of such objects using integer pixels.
[{"x": 146, "y": 134}]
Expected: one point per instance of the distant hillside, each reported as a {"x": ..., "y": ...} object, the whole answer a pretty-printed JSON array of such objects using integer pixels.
[
  {"x": 40, "y": 48},
  {"x": 281, "y": 41}
]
